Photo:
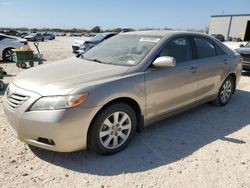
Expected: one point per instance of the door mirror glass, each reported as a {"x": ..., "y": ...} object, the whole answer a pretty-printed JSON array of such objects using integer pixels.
[{"x": 164, "y": 61}]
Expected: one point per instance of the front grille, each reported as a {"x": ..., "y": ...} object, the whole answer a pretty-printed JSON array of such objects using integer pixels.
[
  {"x": 16, "y": 100},
  {"x": 245, "y": 57}
]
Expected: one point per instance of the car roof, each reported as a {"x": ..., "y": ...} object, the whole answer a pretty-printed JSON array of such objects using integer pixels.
[
  {"x": 11, "y": 37},
  {"x": 108, "y": 33},
  {"x": 162, "y": 33}
]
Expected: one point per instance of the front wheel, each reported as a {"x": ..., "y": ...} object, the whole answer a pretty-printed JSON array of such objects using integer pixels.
[
  {"x": 1, "y": 85},
  {"x": 112, "y": 129},
  {"x": 225, "y": 92},
  {"x": 7, "y": 55},
  {"x": 23, "y": 65}
]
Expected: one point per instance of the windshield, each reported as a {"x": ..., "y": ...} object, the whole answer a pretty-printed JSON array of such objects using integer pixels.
[
  {"x": 122, "y": 49},
  {"x": 98, "y": 37},
  {"x": 248, "y": 44}
]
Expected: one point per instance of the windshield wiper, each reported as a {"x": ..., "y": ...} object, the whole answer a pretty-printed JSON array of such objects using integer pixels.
[{"x": 95, "y": 60}]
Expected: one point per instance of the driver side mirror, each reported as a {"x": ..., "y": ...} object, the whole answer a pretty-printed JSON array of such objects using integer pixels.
[
  {"x": 242, "y": 45},
  {"x": 164, "y": 62}
]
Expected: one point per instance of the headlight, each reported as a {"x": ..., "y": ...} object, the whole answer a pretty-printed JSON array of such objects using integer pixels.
[{"x": 58, "y": 102}]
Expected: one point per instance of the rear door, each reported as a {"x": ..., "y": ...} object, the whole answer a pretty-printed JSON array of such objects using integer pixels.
[
  {"x": 213, "y": 66},
  {"x": 168, "y": 89}
]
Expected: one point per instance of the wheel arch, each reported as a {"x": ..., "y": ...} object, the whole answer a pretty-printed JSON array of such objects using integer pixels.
[
  {"x": 233, "y": 75},
  {"x": 127, "y": 100},
  {"x": 7, "y": 48}
]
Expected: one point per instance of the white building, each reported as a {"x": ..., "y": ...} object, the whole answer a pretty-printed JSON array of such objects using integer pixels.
[{"x": 235, "y": 26}]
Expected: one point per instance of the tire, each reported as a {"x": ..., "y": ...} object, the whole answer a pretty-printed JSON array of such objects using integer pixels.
[
  {"x": 1, "y": 85},
  {"x": 7, "y": 55},
  {"x": 225, "y": 92},
  {"x": 107, "y": 136},
  {"x": 23, "y": 65},
  {"x": 31, "y": 63}
]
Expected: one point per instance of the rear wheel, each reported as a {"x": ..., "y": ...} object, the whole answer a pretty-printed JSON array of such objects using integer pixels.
[
  {"x": 23, "y": 65},
  {"x": 7, "y": 54},
  {"x": 112, "y": 129},
  {"x": 31, "y": 63},
  {"x": 1, "y": 85},
  {"x": 225, "y": 92}
]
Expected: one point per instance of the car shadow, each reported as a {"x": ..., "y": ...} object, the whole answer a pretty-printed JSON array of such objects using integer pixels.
[
  {"x": 6, "y": 62},
  {"x": 164, "y": 142}
]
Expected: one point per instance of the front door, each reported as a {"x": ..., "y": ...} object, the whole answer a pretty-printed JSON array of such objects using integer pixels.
[{"x": 169, "y": 89}]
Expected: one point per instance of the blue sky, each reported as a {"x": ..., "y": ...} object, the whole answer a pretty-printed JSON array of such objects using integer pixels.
[{"x": 116, "y": 13}]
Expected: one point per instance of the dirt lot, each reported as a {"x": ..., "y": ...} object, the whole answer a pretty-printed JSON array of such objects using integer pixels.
[{"x": 204, "y": 147}]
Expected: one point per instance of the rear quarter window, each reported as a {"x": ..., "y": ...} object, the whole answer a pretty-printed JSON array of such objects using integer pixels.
[
  {"x": 205, "y": 47},
  {"x": 219, "y": 50}
]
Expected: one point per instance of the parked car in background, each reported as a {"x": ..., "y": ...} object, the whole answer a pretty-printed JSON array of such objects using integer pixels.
[
  {"x": 118, "y": 87},
  {"x": 81, "y": 46},
  {"x": 220, "y": 37},
  {"x": 48, "y": 36},
  {"x": 60, "y": 34},
  {"x": 8, "y": 43},
  {"x": 12, "y": 33},
  {"x": 24, "y": 34},
  {"x": 34, "y": 37},
  {"x": 244, "y": 51}
]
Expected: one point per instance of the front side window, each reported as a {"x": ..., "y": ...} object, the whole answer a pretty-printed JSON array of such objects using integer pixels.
[
  {"x": 179, "y": 48},
  {"x": 205, "y": 48}
]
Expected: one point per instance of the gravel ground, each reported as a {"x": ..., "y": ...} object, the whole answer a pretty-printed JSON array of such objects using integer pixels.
[{"x": 204, "y": 147}]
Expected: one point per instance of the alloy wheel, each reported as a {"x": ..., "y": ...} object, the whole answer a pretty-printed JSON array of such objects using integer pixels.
[
  {"x": 8, "y": 55},
  {"x": 115, "y": 130},
  {"x": 226, "y": 91}
]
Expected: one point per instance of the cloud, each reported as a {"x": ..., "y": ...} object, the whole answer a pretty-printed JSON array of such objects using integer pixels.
[{"x": 4, "y": 3}]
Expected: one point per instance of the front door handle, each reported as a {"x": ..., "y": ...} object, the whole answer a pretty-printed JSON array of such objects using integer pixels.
[{"x": 193, "y": 69}]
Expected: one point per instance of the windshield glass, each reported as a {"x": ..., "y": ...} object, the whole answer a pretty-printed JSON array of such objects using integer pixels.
[
  {"x": 122, "y": 49},
  {"x": 98, "y": 37},
  {"x": 248, "y": 44}
]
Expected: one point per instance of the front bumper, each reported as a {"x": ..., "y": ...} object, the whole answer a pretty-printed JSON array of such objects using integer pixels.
[
  {"x": 66, "y": 128},
  {"x": 246, "y": 65}
]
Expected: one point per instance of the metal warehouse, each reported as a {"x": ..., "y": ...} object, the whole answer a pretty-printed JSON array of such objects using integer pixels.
[{"x": 235, "y": 26}]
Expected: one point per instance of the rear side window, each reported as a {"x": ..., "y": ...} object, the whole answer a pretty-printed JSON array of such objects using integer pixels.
[
  {"x": 219, "y": 51},
  {"x": 205, "y": 47},
  {"x": 180, "y": 48}
]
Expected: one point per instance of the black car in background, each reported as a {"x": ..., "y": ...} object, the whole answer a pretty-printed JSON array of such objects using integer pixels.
[
  {"x": 220, "y": 37},
  {"x": 244, "y": 51}
]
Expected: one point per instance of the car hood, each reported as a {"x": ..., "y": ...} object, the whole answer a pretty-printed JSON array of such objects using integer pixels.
[
  {"x": 79, "y": 41},
  {"x": 62, "y": 77},
  {"x": 244, "y": 50}
]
